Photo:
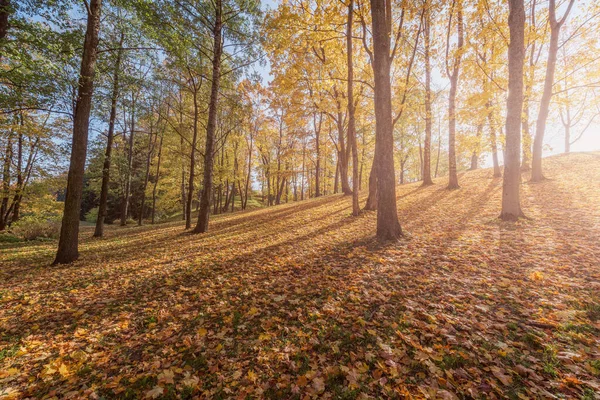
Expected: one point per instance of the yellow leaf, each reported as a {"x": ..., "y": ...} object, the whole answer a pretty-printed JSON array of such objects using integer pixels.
[
  {"x": 202, "y": 332},
  {"x": 252, "y": 376},
  {"x": 63, "y": 370}
]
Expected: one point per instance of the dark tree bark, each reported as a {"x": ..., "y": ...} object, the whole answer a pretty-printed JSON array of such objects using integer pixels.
[
  {"x": 388, "y": 226},
  {"x": 203, "y": 213},
  {"x": 540, "y": 127},
  {"x": 453, "y": 74},
  {"x": 68, "y": 243},
  {"x": 99, "y": 230},
  {"x": 511, "y": 205},
  {"x": 351, "y": 111}
]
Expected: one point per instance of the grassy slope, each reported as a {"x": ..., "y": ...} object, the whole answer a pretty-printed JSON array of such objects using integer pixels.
[{"x": 298, "y": 300}]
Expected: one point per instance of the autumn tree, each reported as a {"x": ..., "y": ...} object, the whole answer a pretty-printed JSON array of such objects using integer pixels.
[
  {"x": 68, "y": 243},
  {"x": 388, "y": 226},
  {"x": 544, "y": 109},
  {"x": 511, "y": 204}
]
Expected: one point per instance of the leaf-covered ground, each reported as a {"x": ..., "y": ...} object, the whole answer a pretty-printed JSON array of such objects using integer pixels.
[{"x": 298, "y": 301}]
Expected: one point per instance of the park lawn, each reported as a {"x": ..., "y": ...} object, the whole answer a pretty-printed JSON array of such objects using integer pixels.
[{"x": 299, "y": 301}]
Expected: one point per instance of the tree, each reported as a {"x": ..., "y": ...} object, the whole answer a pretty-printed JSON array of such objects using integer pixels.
[
  {"x": 511, "y": 204},
  {"x": 452, "y": 71},
  {"x": 428, "y": 115},
  {"x": 99, "y": 230},
  {"x": 68, "y": 243},
  {"x": 540, "y": 127},
  {"x": 388, "y": 226},
  {"x": 351, "y": 111}
]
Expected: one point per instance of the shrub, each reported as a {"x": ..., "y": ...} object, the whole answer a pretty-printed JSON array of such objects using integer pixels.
[
  {"x": 33, "y": 227},
  {"x": 92, "y": 215}
]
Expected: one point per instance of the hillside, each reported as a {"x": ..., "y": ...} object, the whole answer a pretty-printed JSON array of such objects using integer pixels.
[{"x": 298, "y": 301}]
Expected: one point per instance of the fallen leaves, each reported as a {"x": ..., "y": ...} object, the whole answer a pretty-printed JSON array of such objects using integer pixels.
[{"x": 467, "y": 308}]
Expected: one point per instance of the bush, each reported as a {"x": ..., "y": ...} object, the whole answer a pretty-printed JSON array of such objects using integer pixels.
[
  {"x": 32, "y": 227},
  {"x": 130, "y": 221},
  {"x": 92, "y": 215},
  {"x": 6, "y": 237}
]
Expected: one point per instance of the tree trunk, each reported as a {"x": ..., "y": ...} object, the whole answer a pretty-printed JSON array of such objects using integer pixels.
[
  {"x": 182, "y": 183},
  {"x": 149, "y": 153},
  {"x": 351, "y": 109},
  {"x": 318, "y": 154},
  {"x": 388, "y": 226},
  {"x": 68, "y": 243},
  {"x": 511, "y": 205},
  {"x": 203, "y": 213},
  {"x": 125, "y": 208},
  {"x": 6, "y": 181},
  {"x": 19, "y": 190},
  {"x": 452, "y": 173},
  {"x": 190, "y": 190},
  {"x": 157, "y": 177},
  {"x": 540, "y": 127},
  {"x": 493, "y": 141},
  {"x": 371, "y": 204},
  {"x": 475, "y": 155},
  {"x": 428, "y": 125},
  {"x": 99, "y": 230}
]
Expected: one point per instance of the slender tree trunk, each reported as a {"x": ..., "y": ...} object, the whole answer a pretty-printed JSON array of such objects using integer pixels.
[
  {"x": 452, "y": 172},
  {"x": 493, "y": 140},
  {"x": 182, "y": 184},
  {"x": 511, "y": 205},
  {"x": 336, "y": 178},
  {"x": 149, "y": 153},
  {"x": 567, "y": 126},
  {"x": 437, "y": 161},
  {"x": 527, "y": 140},
  {"x": 68, "y": 243},
  {"x": 99, "y": 230},
  {"x": 203, "y": 213},
  {"x": 342, "y": 159},
  {"x": 544, "y": 110},
  {"x": 6, "y": 181},
  {"x": 475, "y": 155},
  {"x": 303, "y": 171},
  {"x": 248, "y": 174},
  {"x": 190, "y": 190},
  {"x": 157, "y": 177},
  {"x": 428, "y": 125},
  {"x": 371, "y": 204},
  {"x": 125, "y": 209},
  {"x": 19, "y": 191},
  {"x": 388, "y": 226},
  {"x": 351, "y": 109},
  {"x": 318, "y": 153}
]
